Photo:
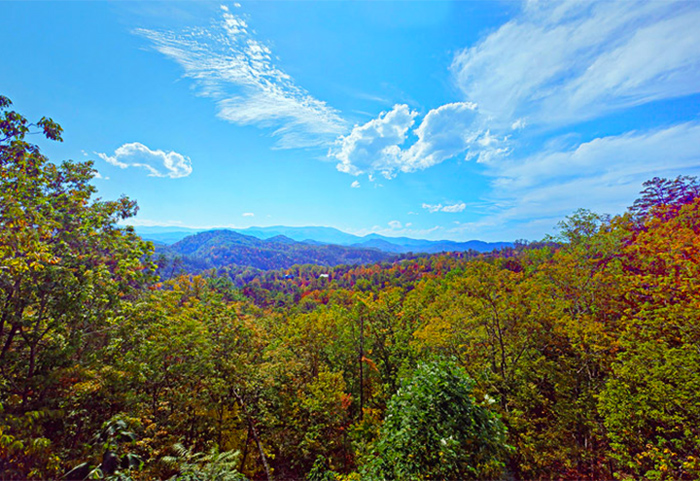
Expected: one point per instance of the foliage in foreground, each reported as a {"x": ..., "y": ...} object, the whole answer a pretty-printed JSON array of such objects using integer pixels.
[{"x": 435, "y": 429}]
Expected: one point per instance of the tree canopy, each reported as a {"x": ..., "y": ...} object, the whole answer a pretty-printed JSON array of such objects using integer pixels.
[
  {"x": 65, "y": 267},
  {"x": 571, "y": 358},
  {"x": 435, "y": 429}
]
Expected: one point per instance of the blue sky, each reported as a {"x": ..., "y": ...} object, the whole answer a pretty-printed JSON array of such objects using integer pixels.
[{"x": 440, "y": 120}]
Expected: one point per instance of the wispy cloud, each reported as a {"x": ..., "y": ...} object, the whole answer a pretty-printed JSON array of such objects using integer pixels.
[
  {"x": 604, "y": 175},
  {"x": 560, "y": 64},
  {"x": 451, "y": 208},
  {"x": 355, "y": 185},
  {"x": 248, "y": 214},
  {"x": 458, "y": 207},
  {"x": 563, "y": 62},
  {"x": 157, "y": 163},
  {"x": 230, "y": 65},
  {"x": 556, "y": 63}
]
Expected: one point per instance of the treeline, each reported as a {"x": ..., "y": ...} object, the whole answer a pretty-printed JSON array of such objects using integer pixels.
[{"x": 574, "y": 358}]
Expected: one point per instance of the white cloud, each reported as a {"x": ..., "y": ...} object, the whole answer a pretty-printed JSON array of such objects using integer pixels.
[
  {"x": 158, "y": 163},
  {"x": 518, "y": 124},
  {"x": 452, "y": 208},
  {"x": 395, "y": 224},
  {"x": 235, "y": 69},
  {"x": 248, "y": 214},
  {"x": 554, "y": 64},
  {"x": 559, "y": 64},
  {"x": 374, "y": 146},
  {"x": 459, "y": 207},
  {"x": 355, "y": 185},
  {"x": 604, "y": 175},
  {"x": 444, "y": 132},
  {"x": 563, "y": 62},
  {"x": 432, "y": 207}
]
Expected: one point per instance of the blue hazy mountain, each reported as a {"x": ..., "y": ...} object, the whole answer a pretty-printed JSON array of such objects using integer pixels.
[{"x": 328, "y": 235}]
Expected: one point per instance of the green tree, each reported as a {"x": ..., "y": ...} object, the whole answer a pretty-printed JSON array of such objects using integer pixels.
[
  {"x": 65, "y": 268},
  {"x": 435, "y": 429}
]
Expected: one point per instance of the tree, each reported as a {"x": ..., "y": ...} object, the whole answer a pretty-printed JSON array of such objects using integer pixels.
[
  {"x": 65, "y": 267},
  {"x": 650, "y": 404},
  {"x": 664, "y": 197},
  {"x": 435, "y": 429}
]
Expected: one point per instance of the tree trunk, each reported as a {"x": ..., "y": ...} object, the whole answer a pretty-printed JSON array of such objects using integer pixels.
[{"x": 254, "y": 432}]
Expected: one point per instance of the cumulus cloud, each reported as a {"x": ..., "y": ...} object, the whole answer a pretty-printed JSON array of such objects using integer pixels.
[
  {"x": 556, "y": 64},
  {"x": 157, "y": 163},
  {"x": 444, "y": 132},
  {"x": 563, "y": 62},
  {"x": 451, "y": 208},
  {"x": 231, "y": 66},
  {"x": 355, "y": 185},
  {"x": 395, "y": 224},
  {"x": 374, "y": 146}
]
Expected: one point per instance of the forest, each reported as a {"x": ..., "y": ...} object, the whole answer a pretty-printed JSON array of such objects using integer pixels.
[{"x": 575, "y": 357}]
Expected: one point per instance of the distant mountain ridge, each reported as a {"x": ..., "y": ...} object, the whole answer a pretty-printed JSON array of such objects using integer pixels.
[
  {"x": 222, "y": 248},
  {"x": 328, "y": 236}
]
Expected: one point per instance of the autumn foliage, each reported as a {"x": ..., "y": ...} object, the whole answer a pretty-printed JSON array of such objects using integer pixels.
[{"x": 571, "y": 358}]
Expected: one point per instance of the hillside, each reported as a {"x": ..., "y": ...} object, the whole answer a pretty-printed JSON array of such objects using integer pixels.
[{"x": 222, "y": 248}]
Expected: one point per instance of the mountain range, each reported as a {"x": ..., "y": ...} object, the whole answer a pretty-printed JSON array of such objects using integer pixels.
[
  {"x": 326, "y": 236},
  {"x": 281, "y": 247},
  {"x": 226, "y": 248}
]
